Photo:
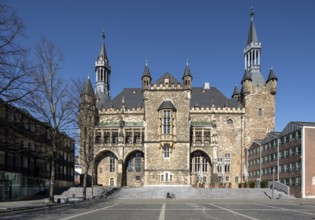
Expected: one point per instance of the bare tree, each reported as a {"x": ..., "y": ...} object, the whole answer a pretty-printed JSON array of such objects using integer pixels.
[
  {"x": 51, "y": 103},
  {"x": 15, "y": 82},
  {"x": 86, "y": 122}
]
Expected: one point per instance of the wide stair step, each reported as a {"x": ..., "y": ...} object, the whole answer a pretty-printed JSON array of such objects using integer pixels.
[{"x": 197, "y": 193}]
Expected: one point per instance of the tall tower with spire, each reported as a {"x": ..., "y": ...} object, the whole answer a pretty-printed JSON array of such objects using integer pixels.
[
  {"x": 102, "y": 72},
  {"x": 257, "y": 95},
  {"x": 252, "y": 53}
]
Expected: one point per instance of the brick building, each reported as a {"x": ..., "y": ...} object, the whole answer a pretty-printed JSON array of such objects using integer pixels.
[
  {"x": 25, "y": 147},
  {"x": 289, "y": 156},
  {"x": 169, "y": 132}
]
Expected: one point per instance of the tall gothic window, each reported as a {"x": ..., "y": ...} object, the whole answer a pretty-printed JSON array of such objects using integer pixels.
[
  {"x": 166, "y": 123},
  {"x": 166, "y": 152},
  {"x": 227, "y": 162},
  {"x": 219, "y": 165}
]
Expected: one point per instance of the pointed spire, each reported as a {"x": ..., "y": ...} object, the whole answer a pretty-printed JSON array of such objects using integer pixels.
[
  {"x": 272, "y": 75},
  {"x": 88, "y": 89},
  {"x": 236, "y": 91},
  {"x": 103, "y": 54},
  {"x": 146, "y": 71},
  {"x": 246, "y": 76},
  {"x": 252, "y": 35},
  {"x": 187, "y": 70}
]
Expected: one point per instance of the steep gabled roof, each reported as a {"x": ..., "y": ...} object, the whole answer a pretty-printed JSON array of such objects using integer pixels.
[{"x": 173, "y": 80}]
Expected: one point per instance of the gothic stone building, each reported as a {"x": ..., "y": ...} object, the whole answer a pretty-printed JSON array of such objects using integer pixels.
[{"x": 169, "y": 132}]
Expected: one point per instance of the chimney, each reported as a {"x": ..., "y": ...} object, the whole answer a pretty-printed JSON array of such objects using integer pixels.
[{"x": 206, "y": 85}]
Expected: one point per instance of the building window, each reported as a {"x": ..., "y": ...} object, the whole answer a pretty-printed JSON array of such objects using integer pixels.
[
  {"x": 166, "y": 152},
  {"x": 227, "y": 162},
  {"x": 204, "y": 165},
  {"x": 236, "y": 179},
  {"x": 128, "y": 136},
  {"x": 111, "y": 163},
  {"x": 229, "y": 121},
  {"x": 107, "y": 137},
  {"x": 115, "y": 136},
  {"x": 219, "y": 165},
  {"x": 260, "y": 112},
  {"x": 166, "y": 122},
  {"x": 138, "y": 164},
  {"x": 137, "y": 139},
  {"x": 198, "y": 137},
  {"x": 129, "y": 167},
  {"x": 138, "y": 178},
  {"x": 162, "y": 177}
]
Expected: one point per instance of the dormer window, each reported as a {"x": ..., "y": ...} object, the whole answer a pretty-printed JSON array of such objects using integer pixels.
[{"x": 166, "y": 80}]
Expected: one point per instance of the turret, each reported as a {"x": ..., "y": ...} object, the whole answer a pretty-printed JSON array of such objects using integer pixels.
[
  {"x": 187, "y": 77},
  {"x": 271, "y": 82},
  {"x": 236, "y": 93},
  {"x": 247, "y": 85},
  {"x": 146, "y": 77}
]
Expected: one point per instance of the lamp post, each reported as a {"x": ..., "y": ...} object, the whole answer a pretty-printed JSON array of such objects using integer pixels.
[{"x": 273, "y": 182}]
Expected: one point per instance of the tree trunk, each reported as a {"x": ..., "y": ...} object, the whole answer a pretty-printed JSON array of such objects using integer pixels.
[
  {"x": 52, "y": 178},
  {"x": 84, "y": 184}
]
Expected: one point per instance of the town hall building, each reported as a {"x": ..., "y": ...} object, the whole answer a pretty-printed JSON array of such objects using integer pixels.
[{"x": 170, "y": 132}]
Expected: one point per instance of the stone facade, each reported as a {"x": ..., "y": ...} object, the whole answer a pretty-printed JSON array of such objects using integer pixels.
[{"x": 171, "y": 133}]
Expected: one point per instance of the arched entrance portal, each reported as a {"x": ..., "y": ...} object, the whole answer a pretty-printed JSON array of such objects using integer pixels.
[
  {"x": 200, "y": 168},
  {"x": 106, "y": 169},
  {"x": 134, "y": 167}
]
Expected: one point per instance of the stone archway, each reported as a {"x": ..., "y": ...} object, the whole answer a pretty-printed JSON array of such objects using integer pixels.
[
  {"x": 200, "y": 168},
  {"x": 134, "y": 169},
  {"x": 106, "y": 169}
]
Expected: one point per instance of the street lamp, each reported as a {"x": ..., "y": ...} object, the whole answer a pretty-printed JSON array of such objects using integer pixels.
[{"x": 273, "y": 182}]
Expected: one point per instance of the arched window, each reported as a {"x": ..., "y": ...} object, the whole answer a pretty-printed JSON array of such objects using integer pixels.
[{"x": 229, "y": 121}]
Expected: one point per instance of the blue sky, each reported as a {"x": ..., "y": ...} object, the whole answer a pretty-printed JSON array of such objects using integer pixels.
[{"x": 210, "y": 33}]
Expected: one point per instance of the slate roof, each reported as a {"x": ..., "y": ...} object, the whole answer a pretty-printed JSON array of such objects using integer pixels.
[
  {"x": 173, "y": 80},
  {"x": 167, "y": 105},
  {"x": 246, "y": 76},
  {"x": 187, "y": 71},
  {"x": 205, "y": 97},
  {"x": 103, "y": 50},
  {"x": 271, "y": 76},
  {"x": 88, "y": 89},
  {"x": 252, "y": 35},
  {"x": 133, "y": 98},
  {"x": 146, "y": 72},
  {"x": 236, "y": 91}
]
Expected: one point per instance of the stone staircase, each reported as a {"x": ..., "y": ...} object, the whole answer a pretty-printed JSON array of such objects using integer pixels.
[
  {"x": 76, "y": 193},
  {"x": 186, "y": 192}
]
